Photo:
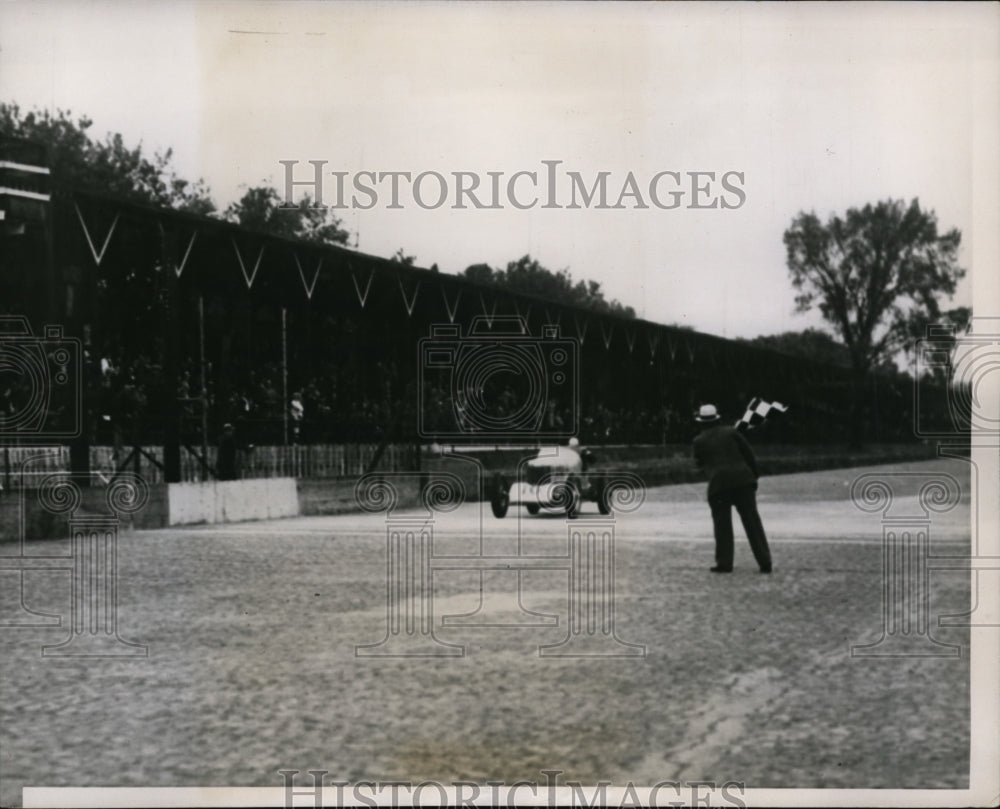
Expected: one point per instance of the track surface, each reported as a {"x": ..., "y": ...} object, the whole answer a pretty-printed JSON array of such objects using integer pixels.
[{"x": 252, "y": 631}]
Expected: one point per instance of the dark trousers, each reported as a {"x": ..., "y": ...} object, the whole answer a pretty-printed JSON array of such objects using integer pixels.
[{"x": 745, "y": 500}]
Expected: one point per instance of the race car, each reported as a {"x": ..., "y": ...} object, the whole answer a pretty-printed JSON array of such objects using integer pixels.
[{"x": 555, "y": 479}]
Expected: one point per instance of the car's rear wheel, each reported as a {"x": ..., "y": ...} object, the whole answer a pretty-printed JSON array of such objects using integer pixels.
[
  {"x": 603, "y": 501},
  {"x": 500, "y": 499},
  {"x": 533, "y": 508}
]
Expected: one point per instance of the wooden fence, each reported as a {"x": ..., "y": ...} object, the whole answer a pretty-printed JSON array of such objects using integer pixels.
[{"x": 30, "y": 464}]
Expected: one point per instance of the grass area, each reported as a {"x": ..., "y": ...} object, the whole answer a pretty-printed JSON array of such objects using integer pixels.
[{"x": 673, "y": 463}]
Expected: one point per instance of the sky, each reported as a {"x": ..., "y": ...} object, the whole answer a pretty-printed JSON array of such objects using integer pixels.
[{"x": 805, "y": 107}]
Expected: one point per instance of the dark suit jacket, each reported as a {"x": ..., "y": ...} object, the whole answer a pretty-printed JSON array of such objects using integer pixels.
[{"x": 724, "y": 453}]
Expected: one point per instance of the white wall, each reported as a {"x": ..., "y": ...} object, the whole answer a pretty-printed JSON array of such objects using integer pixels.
[{"x": 231, "y": 501}]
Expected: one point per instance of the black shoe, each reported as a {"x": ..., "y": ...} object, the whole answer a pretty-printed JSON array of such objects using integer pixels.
[
  {"x": 766, "y": 569},
  {"x": 720, "y": 569}
]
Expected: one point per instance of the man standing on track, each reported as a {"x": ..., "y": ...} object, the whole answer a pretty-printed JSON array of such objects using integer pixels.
[{"x": 723, "y": 452}]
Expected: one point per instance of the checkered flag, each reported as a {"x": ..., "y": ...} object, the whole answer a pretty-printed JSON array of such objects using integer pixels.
[{"x": 757, "y": 411}]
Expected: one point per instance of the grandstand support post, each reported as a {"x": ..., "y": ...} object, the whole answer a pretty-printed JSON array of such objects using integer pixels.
[
  {"x": 171, "y": 416},
  {"x": 64, "y": 306},
  {"x": 204, "y": 388},
  {"x": 79, "y": 447},
  {"x": 284, "y": 371}
]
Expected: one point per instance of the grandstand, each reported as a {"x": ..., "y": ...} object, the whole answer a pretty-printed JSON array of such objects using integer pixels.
[{"x": 185, "y": 323}]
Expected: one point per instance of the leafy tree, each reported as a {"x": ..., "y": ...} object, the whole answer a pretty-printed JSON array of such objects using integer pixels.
[
  {"x": 529, "y": 277},
  {"x": 811, "y": 344},
  {"x": 107, "y": 165},
  {"x": 401, "y": 257},
  {"x": 261, "y": 208},
  {"x": 482, "y": 274},
  {"x": 873, "y": 273}
]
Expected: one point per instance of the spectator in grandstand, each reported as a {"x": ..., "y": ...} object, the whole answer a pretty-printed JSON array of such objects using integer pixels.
[
  {"x": 267, "y": 394},
  {"x": 725, "y": 455},
  {"x": 296, "y": 412},
  {"x": 225, "y": 465}
]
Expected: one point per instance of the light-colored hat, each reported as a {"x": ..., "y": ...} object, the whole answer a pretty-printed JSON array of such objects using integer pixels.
[
  {"x": 707, "y": 413},
  {"x": 574, "y": 442}
]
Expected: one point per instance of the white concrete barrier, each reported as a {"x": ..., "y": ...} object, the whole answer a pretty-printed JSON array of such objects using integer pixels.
[{"x": 231, "y": 501}]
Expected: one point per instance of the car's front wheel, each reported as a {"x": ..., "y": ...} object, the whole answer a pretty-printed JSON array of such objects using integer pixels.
[
  {"x": 575, "y": 497},
  {"x": 603, "y": 500}
]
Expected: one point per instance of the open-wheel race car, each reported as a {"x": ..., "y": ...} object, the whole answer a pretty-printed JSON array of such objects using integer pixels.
[{"x": 556, "y": 479}]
